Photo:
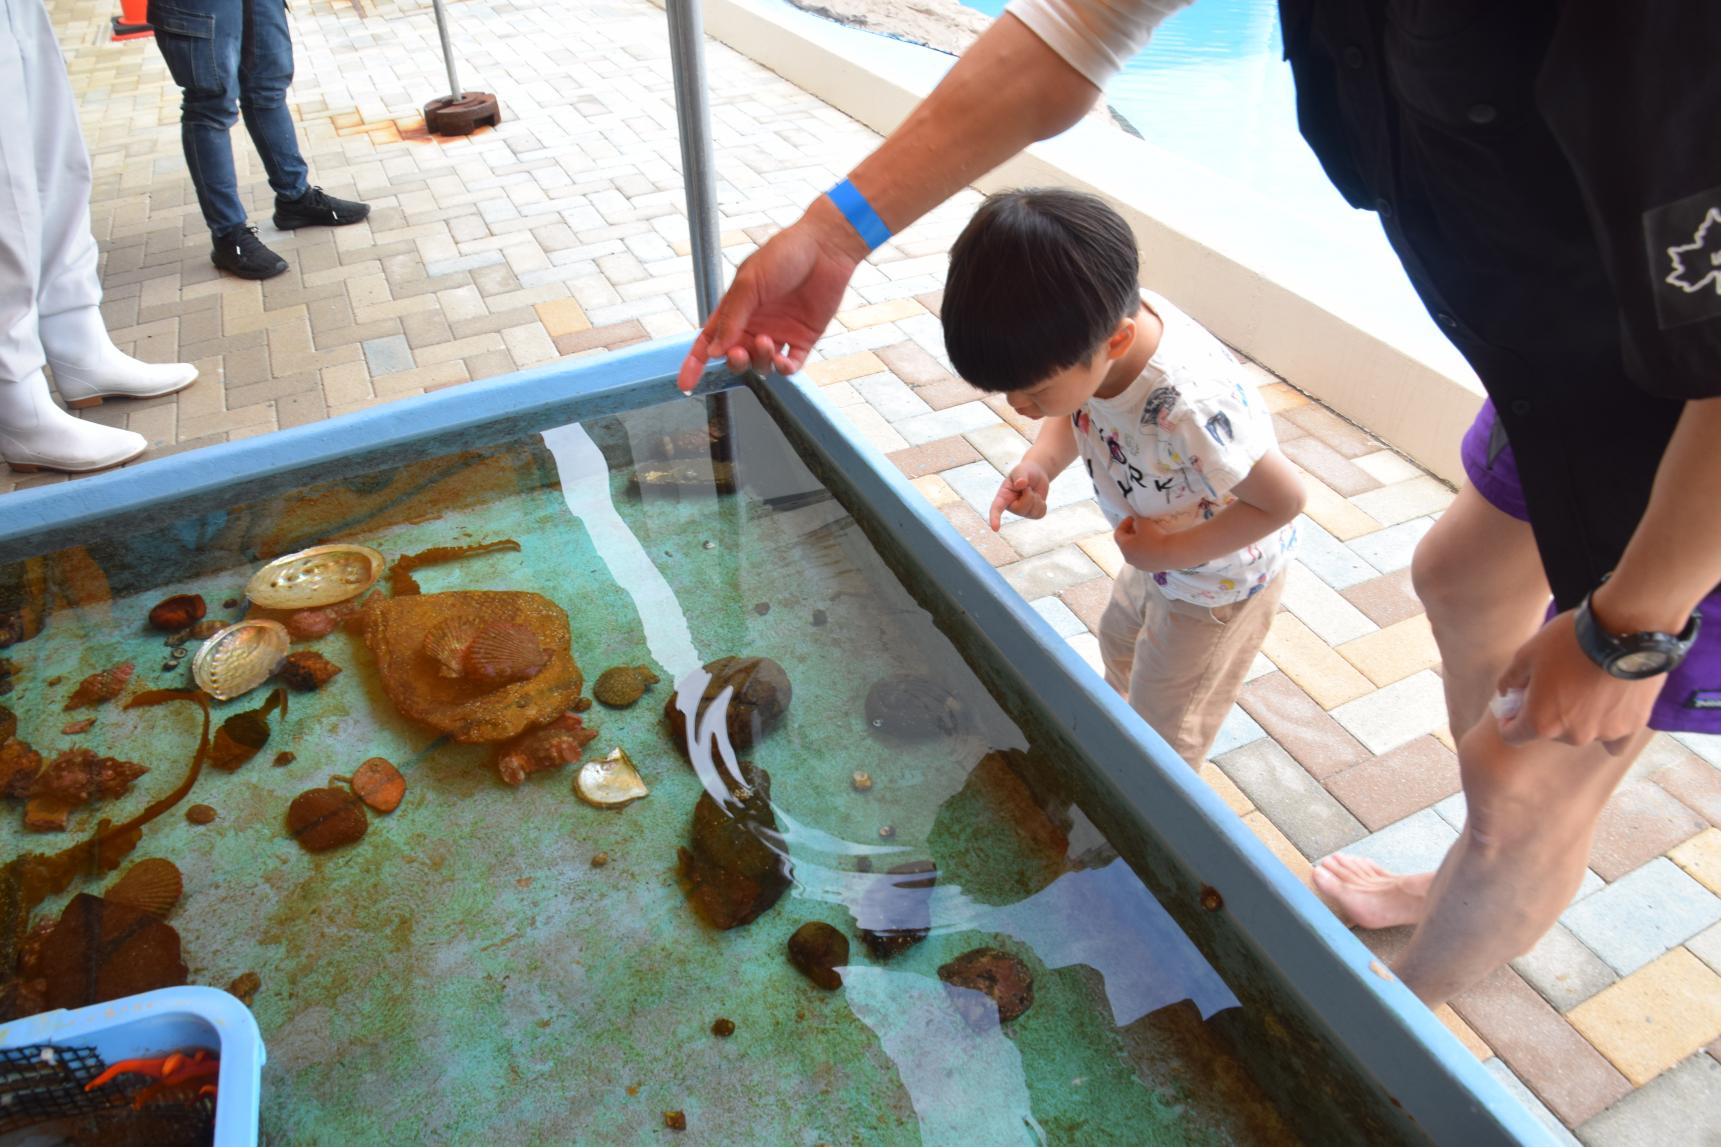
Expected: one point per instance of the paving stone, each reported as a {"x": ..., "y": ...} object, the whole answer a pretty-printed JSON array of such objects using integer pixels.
[
  {"x": 1234, "y": 798},
  {"x": 1700, "y": 857},
  {"x": 1346, "y": 439},
  {"x": 1403, "y": 501},
  {"x": 1706, "y": 946},
  {"x": 1393, "y": 653},
  {"x": 1065, "y": 524},
  {"x": 1682, "y": 1106},
  {"x": 388, "y": 355},
  {"x": 937, "y": 455},
  {"x": 1294, "y": 801},
  {"x": 1401, "y": 712},
  {"x": 1418, "y": 843},
  {"x": 1655, "y": 1017},
  {"x": 1238, "y": 729},
  {"x": 1305, "y": 730},
  {"x": 1329, "y": 559},
  {"x": 1058, "y": 616},
  {"x": 1392, "y": 548},
  {"x": 1387, "y": 467},
  {"x": 873, "y": 426},
  {"x": 1385, "y": 600},
  {"x": 1515, "y": 1086},
  {"x": 1277, "y": 843},
  {"x": 978, "y": 534},
  {"x": 1564, "y": 971},
  {"x": 1537, "y": 1043},
  {"x": 1321, "y": 608},
  {"x": 944, "y": 395},
  {"x": 1472, "y": 1042},
  {"x": 1333, "y": 511},
  {"x": 843, "y": 369},
  {"x": 1028, "y": 428},
  {"x": 1393, "y": 785},
  {"x": 1284, "y": 430},
  {"x": 1705, "y": 745},
  {"x": 1049, "y": 572},
  {"x": 1259, "y": 667},
  {"x": 1641, "y": 915},
  {"x": 1312, "y": 664},
  {"x": 953, "y": 420},
  {"x": 1088, "y": 600},
  {"x": 1102, "y": 548},
  {"x": 999, "y": 445},
  {"x": 978, "y": 484},
  {"x": 935, "y": 490},
  {"x": 1640, "y": 822},
  {"x": 1687, "y": 776},
  {"x": 887, "y": 312},
  {"x": 1327, "y": 464},
  {"x": 612, "y": 336},
  {"x": 888, "y": 395},
  {"x": 1087, "y": 647},
  {"x": 913, "y": 365}
]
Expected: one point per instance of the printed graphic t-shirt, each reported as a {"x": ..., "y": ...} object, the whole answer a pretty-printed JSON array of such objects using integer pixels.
[{"x": 1172, "y": 446}]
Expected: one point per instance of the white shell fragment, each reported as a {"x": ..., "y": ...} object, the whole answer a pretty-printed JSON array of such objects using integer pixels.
[
  {"x": 240, "y": 658},
  {"x": 609, "y": 782},
  {"x": 321, "y": 575}
]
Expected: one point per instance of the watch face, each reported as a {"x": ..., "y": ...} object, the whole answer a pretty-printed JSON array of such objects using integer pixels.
[{"x": 1642, "y": 663}]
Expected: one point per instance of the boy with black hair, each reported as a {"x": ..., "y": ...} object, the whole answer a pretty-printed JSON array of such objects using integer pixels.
[{"x": 1043, "y": 304}]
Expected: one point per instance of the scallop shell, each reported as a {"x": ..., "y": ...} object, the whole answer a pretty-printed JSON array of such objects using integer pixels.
[
  {"x": 240, "y": 658},
  {"x": 446, "y": 645},
  {"x": 321, "y": 575},
  {"x": 502, "y": 653},
  {"x": 610, "y": 782},
  {"x": 153, "y": 885}
]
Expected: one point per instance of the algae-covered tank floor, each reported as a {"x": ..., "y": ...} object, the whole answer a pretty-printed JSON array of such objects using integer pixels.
[{"x": 465, "y": 974}]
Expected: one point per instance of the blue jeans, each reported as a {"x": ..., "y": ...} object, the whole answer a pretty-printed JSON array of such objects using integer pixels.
[{"x": 231, "y": 56}]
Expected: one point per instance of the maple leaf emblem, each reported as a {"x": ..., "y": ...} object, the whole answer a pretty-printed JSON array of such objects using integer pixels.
[{"x": 1697, "y": 264}]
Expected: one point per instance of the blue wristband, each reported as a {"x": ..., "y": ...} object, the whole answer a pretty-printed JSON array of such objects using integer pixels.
[{"x": 860, "y": 215}]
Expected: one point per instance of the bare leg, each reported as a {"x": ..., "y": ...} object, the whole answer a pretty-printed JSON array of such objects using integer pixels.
[
  {"x": 1482, "y": 610},
  {"x": 1519, "y": 860}
]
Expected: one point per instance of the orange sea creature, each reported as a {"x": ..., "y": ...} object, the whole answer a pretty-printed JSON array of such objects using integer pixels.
[
  {"x": 556, "y": 744},
  {"x": 379, "y": 784},
  {"x": 308, "y": 670},
  {"x": 178, "y": 612},
  {"x": 100, "y": 687}
]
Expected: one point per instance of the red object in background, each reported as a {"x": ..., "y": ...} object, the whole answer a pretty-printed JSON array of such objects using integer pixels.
[{"x": 133, "y": 21}]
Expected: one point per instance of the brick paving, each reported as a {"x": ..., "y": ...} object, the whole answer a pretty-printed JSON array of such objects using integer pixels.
[{"x": 562, "y": 234}]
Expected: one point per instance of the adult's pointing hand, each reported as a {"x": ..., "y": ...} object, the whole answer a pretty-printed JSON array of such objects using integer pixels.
[{"x": 782, "y": 299}]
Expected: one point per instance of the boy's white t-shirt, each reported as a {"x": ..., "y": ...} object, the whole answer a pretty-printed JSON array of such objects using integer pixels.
[{"x": 1172, "y": 446}]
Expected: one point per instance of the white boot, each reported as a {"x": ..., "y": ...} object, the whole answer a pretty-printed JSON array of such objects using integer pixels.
[
  {"x": 88, "y": 367},
  {"x": 37, "y": 435}
]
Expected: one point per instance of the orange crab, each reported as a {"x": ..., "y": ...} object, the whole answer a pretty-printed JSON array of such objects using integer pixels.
[{"x": 172, "y": 1072}]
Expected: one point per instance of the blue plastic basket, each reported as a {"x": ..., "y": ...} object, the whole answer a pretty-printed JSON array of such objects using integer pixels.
[{"x": 156, "y": 1023}]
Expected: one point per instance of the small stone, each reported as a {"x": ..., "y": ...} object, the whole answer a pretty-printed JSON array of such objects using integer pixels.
[
  {"x": 245, "y": 987},
  {"x": 53, "y": 681},
  {"x": 199, "y": 814},
  {"x": 710, "y": 545},
  {"x": 308, "y": 670},
  {"x": 580, "y": 705},
  {"x": 178, "y": 654},
  {"x": 723, "y": 1028},
  {"x": 819, "y": 618},
  {"x": 230, "y": 603},
  {"x": 169, "y": 666},
  {"x": 762, "y": 608},
  {"x": 181, "y": 611},
  {"x": 886, "y": 831},
  {"x": 284, "y": 758},
  {"x": 599, "y": 859},
  {"x": 77, "y": 727},
  {"x": 818, "y": 950},
  {"x": 862, "y": 782},
  {"x": 1004, "y": 979},
  {"x": 675, "y": 1120}
]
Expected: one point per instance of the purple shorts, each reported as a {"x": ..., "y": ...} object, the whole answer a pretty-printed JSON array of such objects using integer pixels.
[{"x": 1690, "y": 702}]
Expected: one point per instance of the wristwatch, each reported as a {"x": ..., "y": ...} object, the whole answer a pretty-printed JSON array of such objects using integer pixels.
[{"x": 1633, "y": 656}]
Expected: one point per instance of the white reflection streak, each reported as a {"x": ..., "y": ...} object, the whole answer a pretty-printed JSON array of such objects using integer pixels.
[
  {"x": 586, "y": 488},
  {"x": 967, "y": 1086}
]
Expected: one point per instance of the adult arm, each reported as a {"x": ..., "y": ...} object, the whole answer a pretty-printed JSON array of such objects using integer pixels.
[{"x": 1007, "y": 91}]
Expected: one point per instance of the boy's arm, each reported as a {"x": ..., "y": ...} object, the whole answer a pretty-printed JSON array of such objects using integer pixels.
[
  {"x": 1267, "y": 500},
  {"x": 1023, "y": 491}
]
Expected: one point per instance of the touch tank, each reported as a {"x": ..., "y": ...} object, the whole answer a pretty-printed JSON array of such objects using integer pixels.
[{"x": 671, "y": 770}]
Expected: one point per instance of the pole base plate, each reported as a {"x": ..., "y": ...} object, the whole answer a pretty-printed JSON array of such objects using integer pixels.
[
  {"x": 463, "y": 116},
  {"x": 124, "y": 31}
]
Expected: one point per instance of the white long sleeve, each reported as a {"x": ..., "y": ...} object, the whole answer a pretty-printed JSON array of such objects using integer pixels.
[{"x": 1094, "y": 37}]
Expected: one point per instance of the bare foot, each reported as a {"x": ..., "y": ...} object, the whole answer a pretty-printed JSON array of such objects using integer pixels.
[{"x": 1365, "y": 895}]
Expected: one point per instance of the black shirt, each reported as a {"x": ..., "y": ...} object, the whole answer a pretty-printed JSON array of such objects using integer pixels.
[{"x": 1550, "y": 175}]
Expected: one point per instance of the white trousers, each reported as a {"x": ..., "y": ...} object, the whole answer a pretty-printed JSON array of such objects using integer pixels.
[{"x": 47, "y": 253}]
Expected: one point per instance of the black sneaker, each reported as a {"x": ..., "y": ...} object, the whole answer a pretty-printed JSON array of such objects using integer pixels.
[
  {"x": 240, "y": 252},
  {"x": 317, "y": 208}
]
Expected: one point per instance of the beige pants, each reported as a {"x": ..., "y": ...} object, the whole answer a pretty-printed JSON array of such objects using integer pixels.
[{"x": 1181, "y": 665}]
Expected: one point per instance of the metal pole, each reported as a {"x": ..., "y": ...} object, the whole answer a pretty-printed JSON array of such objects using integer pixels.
[
  {"x": 454, "y": 91},
  {"x": 693, "y": 120}
]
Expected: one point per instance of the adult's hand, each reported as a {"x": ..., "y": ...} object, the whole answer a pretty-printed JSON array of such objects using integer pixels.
[
  {"x": 1569, "y": 698},
  {"x": 782, "y": 299}
]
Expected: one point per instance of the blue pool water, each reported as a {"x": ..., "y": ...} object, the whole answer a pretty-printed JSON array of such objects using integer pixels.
[{"x": 1212, "y": 86}]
